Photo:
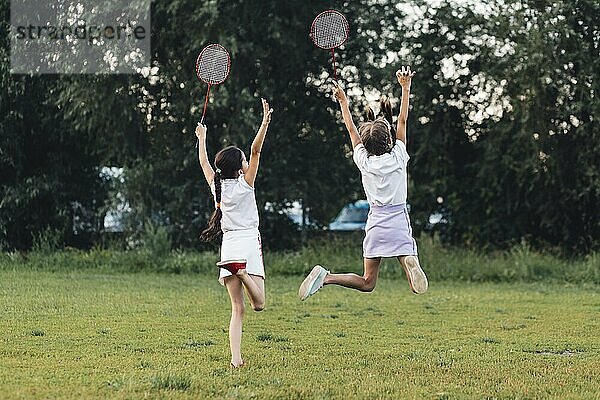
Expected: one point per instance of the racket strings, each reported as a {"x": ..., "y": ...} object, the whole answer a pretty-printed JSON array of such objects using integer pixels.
[
  {"x": 213, "y": 65},
  {"x": 330, "y": 30}
]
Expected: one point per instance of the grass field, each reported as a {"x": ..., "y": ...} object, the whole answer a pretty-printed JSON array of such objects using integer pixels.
[{"x": 84, "y": 334}]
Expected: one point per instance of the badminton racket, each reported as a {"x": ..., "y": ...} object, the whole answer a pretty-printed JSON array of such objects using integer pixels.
[
  {"x": 212, "y": 68},
  {"x": 329, "y": 31}
]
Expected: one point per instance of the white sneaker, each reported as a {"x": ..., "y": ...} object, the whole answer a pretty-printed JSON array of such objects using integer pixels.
[
  {"x": 313, "y": 282},
  {"x": 415, "y": 275}
]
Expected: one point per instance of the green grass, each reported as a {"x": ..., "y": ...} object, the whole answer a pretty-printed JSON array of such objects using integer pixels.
[
  {"x": 85, "y": 334},
  {"x": 520, "y": 264}
]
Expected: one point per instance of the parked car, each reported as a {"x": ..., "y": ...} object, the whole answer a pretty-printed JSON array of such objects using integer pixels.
[{"x": 353, "y": 217}]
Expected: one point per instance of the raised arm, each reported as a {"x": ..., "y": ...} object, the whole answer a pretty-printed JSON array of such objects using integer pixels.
[
  {"x": 404, "y": 76},
  {"x": 339, "y": 94},
  {"x": 209, "y": 173},
  {"x": 255, "y": 149}
]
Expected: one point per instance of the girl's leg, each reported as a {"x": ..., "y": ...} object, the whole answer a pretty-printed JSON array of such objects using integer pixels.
[
  {"x": 255, "y": 287},
  {"x": 236, "y": 294},
  {"x": 365, "y": 283},
  {"x": 417, "y": 280}
]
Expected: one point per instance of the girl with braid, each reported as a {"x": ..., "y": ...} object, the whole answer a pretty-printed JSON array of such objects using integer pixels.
[
  {"x": 236, "y": 218},
  {"x": 382, "y": 161}
]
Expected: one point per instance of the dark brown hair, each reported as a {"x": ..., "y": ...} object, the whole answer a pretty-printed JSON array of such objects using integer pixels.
[
  {"x": 376, "y": 133},
  {"x": 227, "y": 164}
]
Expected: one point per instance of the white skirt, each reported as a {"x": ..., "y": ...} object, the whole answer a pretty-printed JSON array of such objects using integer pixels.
[{"x": 244, "y": 244}]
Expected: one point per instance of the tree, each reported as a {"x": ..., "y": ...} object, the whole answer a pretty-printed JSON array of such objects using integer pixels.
[{"x": 502, "y": 132}]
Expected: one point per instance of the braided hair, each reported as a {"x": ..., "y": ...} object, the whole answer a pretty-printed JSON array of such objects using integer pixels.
[
  {"x": 228, "y": 162},
  {"x": 376, "y": 133}
]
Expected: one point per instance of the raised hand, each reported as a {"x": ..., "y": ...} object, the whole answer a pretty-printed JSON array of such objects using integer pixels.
[
  {"x": 339, "y": 94},
  {"x": 404, "y": 75},
  {"x": 201, "y": 132},
  {"x": 267, "y": 111}
]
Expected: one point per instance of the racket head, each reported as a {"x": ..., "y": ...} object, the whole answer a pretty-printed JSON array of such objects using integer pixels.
[
  {"x": 329, "y": 30},
  {"x": 213, "y": 64}
]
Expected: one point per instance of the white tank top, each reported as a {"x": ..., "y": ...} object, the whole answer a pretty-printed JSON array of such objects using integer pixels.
[{"x": 238, "y": 205}]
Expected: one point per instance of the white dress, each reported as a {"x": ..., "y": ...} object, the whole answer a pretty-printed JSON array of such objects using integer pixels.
[{"x": 239, "y": 223}]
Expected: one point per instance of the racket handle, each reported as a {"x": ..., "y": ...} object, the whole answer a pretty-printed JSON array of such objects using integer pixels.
[
  {"x": 205, "y": 104},
  {"x": 201, "y": 121},
  {"x": 203, "y": 113},
  {"x": 333, "y": 61}
]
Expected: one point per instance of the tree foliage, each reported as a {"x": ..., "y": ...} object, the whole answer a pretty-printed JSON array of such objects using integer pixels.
[{"x": 503, "y": 137}]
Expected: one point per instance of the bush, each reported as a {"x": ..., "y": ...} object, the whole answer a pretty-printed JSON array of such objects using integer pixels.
[
  {"x": 155, "y": 240},
  {"x": 278, "y": 232},
  {"x": 339, "y": 253},
  {"x": 46, "y": 241}
]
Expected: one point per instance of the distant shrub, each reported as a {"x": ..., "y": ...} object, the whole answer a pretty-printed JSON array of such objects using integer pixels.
[
  {"x": 338, "y": 253},
  {"x": 155, "y": 240},
  {"x": 46, "y": 241}
]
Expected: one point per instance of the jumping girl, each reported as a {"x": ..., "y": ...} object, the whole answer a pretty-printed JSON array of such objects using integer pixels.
[
  {"x": 382, "y": 164},
  {"x": 236, "y": 217}
]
